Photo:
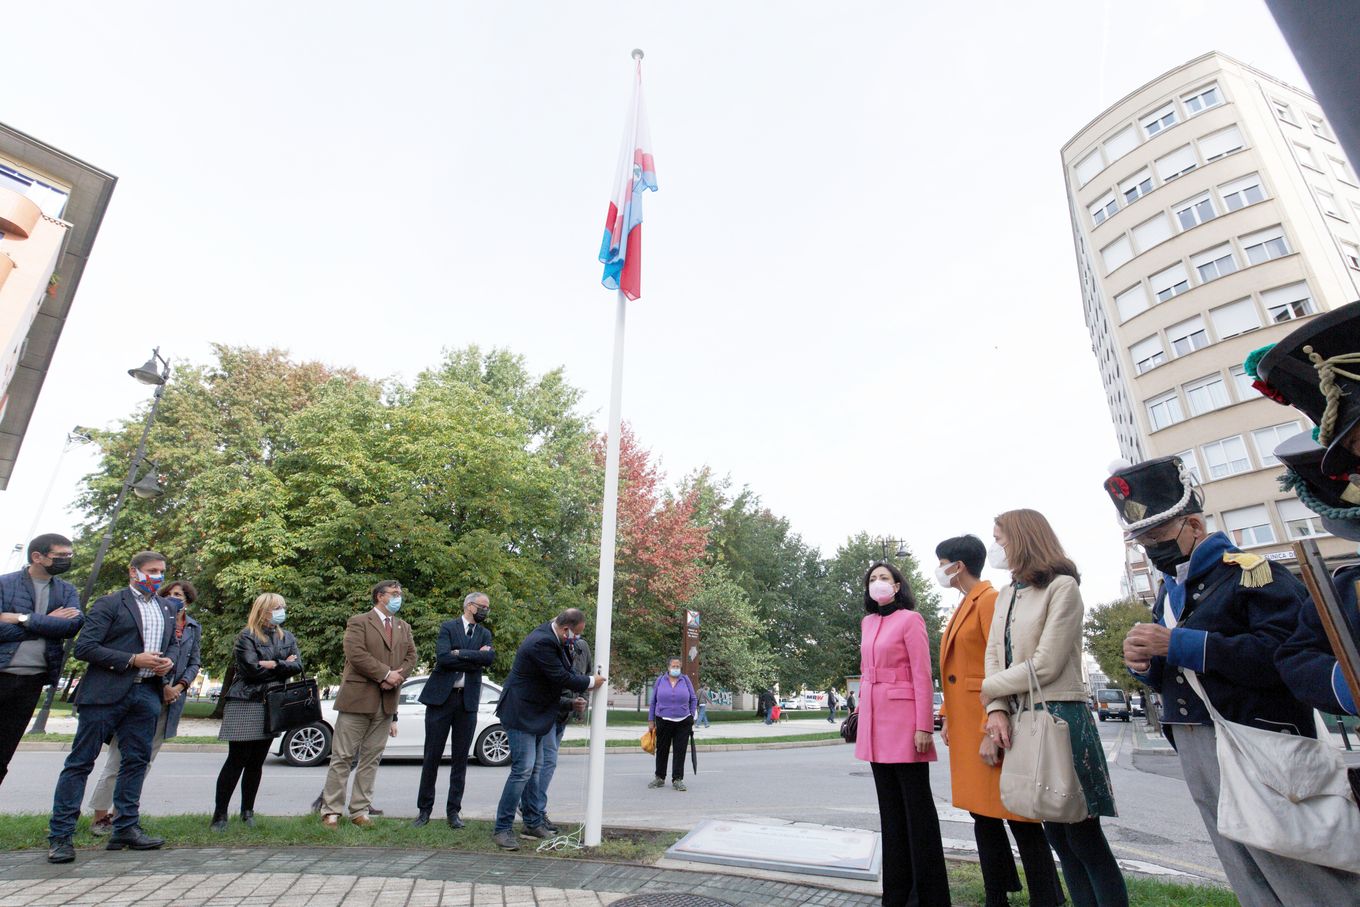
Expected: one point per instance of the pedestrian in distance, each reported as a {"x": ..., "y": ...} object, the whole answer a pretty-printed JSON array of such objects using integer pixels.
[
  {"x": 528, "y": 710},
  {"x": 896, "y": 737},
  {"x": 380, "y": 653},
  {"x": 38, "y": 611},
  {"x": 452, "y": 698},
  {"x": 123, "y": 640},
  {"x": 701, "y": 720},
  {"x": 1038, "y": 624},
  {"x": 571, "y": 705},
  {"x": 974, "y": 760},
  {"x": 767, "y": 706},
  {"x": 265, "y": 654},
  {"x": 850, "y": 704},
  {"x": 185, "y": 652},
  {"x": 674, "y": 703},
  {"x": 831, "y": 703}
]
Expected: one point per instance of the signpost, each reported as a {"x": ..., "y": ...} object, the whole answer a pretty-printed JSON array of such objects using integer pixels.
[{"x": 689, "y": 648}]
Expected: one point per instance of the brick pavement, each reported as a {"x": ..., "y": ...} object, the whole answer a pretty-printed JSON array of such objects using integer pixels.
[{"x": 369, "y": 877}]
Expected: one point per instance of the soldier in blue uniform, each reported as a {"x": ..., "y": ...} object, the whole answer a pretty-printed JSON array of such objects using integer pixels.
[{"x": 1221, "y": 613}]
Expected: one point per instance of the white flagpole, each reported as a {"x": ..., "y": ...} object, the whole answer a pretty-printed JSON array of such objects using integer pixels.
[{"x": 604, "y": 607}]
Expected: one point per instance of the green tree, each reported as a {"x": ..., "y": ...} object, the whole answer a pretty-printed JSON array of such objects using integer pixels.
[
  {"x": 733, "y": 653},
  {"x": 1105, "y": 629}
]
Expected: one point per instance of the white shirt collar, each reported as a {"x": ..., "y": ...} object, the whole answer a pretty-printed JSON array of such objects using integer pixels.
[{"x": 381, "y": 616}]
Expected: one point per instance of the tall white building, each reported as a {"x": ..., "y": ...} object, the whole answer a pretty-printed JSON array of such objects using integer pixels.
[{"x": 1212, "y": 210}]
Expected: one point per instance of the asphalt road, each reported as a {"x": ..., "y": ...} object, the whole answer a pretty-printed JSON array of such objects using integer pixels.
[{"x": 1158, "y": 828}]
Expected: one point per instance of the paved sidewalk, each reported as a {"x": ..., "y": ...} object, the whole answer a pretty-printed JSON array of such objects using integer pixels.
[{"x": 370, "y": 877}]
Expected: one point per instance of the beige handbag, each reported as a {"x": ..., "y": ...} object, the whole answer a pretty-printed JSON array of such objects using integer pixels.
[{"x": 1038, "y": 777}]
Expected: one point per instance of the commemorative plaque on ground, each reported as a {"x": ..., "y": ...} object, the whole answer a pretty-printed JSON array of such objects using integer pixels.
[{"x": 799, "y": 847}]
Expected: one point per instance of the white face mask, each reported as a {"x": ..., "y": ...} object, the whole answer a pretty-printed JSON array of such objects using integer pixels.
[
  {"x": 944, "y": 577},
  {"x": 996, "y": 557}
]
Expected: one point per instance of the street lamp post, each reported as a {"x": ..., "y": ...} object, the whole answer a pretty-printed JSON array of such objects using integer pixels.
[
  {"x": 885, "y": 542},
  {"x": 155, "y": 371}
]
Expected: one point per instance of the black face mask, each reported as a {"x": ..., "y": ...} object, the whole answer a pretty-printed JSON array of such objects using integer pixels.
[
  {"x": 59, "y": 565},
  {"x": 1166, "y": 556},
  {"x": 480, "y": 615}
]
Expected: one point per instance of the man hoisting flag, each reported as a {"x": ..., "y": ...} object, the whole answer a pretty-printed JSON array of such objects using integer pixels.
[{"x": 621, "y": 253}]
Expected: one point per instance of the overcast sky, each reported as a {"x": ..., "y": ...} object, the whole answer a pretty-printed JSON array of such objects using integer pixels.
[{"x": 859, "y": 294}]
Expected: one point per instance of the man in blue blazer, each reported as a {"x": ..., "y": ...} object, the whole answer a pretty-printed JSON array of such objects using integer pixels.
[
  {"x": 528, "y": 712},
  {"x": 37, "y": 612},
  {"x": 452, "y": 697},
  {"x": 124, "y": 640}
]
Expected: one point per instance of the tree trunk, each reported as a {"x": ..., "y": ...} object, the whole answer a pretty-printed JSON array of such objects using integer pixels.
[{"x": 227, "y": 680}]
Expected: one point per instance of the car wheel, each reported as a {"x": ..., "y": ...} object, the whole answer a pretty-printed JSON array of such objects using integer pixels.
[
  {"x": 493, "y": 747},
  {"x": 307, "y": 746}
]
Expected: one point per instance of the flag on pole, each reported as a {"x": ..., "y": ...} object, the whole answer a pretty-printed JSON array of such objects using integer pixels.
[{"x": 621, "y": 250}]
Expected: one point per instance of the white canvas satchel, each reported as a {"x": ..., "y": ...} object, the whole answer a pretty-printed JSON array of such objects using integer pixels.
[
  {"x": 1285, "y": 794},
  {"x": 1038, "y": 777}
]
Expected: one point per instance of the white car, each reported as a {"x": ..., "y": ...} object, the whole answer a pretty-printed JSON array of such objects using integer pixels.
[{"x": 311, "y": 745}]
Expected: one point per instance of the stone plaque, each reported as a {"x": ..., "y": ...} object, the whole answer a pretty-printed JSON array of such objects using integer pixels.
[{"x": 799, "y": 847}]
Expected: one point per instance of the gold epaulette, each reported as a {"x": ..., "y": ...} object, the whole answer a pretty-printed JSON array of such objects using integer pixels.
[{"x": 1255, "y": 569}]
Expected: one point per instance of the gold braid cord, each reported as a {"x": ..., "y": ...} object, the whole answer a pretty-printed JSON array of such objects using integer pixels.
[{"x": 1327, "y": 370}]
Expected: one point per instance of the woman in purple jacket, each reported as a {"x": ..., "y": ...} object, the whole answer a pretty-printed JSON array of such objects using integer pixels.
[{"x": 674, "y": 703}]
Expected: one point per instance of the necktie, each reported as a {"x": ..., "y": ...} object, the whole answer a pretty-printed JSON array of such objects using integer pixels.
[{"x": 387, "y": 629}]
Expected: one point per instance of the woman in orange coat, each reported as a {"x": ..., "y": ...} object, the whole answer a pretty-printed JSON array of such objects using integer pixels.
[{"x": 974, "y": 762}]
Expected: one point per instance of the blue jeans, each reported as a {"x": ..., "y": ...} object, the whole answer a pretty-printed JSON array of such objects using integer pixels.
[
  {"x": 702, "y": 719},
  {"x": 133, "y": 720},
  {"x": 832, "y": 716},
  {"x": 552, "y": 742},
  {"x": 521, "y": 788}
]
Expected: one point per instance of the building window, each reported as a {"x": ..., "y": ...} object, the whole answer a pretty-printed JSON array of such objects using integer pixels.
[
  {"x": 1221, "y": 144},
  {"x": 1319, "y": 127},
  {"x": 1088, "y": 167},
  {"x": 1328, "y": 203},
  {"x": 1306, "y": 157},
  {"x": 1284, "y": 111},
  {"x": 1160, "y": 119},
  {"x": 1210, "y": 523},
  {"x": 1235, "y": 318},
  {"x": 1171, "y": 282},
  {"x": 1267, "y": 439},
  {"x": 1150, "y": 232},
  {"x": 1141, "y": 583},
  {"x": 1164, "y": 410},
  {"x": 1187, "y": 336},
  {"x": 1351, "y": 252},
  {"x": 1341, "y": 170},
  {"x": 1103, "y": 209},
  {"x": 1136, "y": 186},
  {"x": 1249, "y": 526},
  {"x": 1227, "y": 457},
  {"x": 1202, "y": 99},
  {"x": 1214, "y": 263},
  {"x": 1147, "y": 354},
  {"x": 1288, "y": 302},
  {"x": 1299, "y": 521},
  {"x": 1177, "y": 163},
  {"x": 1264, "y": 245},
  {"x": 1242, "y": 192},
  {"x": 1116, "y": 253},
  {"x": 1121, "y": 143},
  {"x": 1131, "y": 302},
  {"x": 1191, "y": 463},
  {"x": 1195, "y": 211},
  {"x": 1242, "y": 381},
  {"x": 1206, "y": 395}
]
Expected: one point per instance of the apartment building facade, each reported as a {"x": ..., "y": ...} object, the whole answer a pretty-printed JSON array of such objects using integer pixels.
[
  {"x": 1212, "y": 212},
  {"x": 51, "y": 206}
]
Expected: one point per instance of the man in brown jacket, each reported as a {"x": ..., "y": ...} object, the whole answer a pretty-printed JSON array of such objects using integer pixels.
[{"x": 379, "y": 654}]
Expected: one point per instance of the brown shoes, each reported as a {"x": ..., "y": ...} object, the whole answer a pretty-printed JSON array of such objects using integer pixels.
[
  {"x": 363, "y": 821},
  {"x": 330, "y": 821}
]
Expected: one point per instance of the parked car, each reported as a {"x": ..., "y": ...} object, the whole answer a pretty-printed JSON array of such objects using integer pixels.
[
  {"x": 1111, "y": 704},
  {"x": 939, "y": 704},
  {"x": 791, "y": 704},
  {"x": 311, "y": 744}
]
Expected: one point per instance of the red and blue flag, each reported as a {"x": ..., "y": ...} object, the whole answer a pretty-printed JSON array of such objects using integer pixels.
[{"x": 621, "y": 250}]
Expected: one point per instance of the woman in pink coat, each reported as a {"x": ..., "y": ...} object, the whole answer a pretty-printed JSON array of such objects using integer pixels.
[{"x": 896, "y": 737}]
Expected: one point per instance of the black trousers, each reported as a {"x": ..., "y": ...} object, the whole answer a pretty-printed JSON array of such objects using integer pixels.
[
  {"x": 913, "y": 854},
  {"x": 998, "y": 864},
  {"x": 440, "y": 722},
  {"x": 20, "y": 694},
  {"x": 245, "y": 763},
  {"x": 1092, "y": 873},
  {"x": 672, "y": 737}
]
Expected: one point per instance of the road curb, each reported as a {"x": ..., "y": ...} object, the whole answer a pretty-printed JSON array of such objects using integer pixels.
[{"x": 50, "y": 747}]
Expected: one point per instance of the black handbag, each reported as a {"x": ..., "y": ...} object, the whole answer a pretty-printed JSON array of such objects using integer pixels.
[
  {"x": 850, "y": 727},
  {"x": 291, "y": 705}
]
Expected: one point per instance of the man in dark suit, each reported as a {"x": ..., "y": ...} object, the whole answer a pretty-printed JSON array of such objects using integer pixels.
[
  {"x": 38, "y": 612},
  {"x": 124, "y": 638},
  {"x": 528, "y": 712},
  {"x": 452, "y": 697}
]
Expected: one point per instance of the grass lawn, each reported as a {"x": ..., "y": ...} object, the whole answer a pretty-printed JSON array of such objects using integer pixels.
[
  {"x": 965, "y": 889},
  {"x": 720, "y": 741},
  {"x": 192, "y": 709},
  {"x": 631, "y": 716}
]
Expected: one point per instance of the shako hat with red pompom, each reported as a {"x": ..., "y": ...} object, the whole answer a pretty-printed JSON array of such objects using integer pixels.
[
  {"x": 1150, "y": 493},
  {"x": 1334, "y": 498},
  {"x": 1316, "y": 370}
]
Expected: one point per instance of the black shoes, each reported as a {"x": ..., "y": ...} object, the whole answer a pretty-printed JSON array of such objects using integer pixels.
[
  {"x": 61, "y": 851},
  {"x": 454, "y": 822},
  {"x": 422, "y": 819},
  {"x": 550, "y": 827},
  {"x": 219, "y": 822},
  {"x": 537, "y": 831},
  {"x": 134, "y": 838},
  {"x": 248, "y": 818}
]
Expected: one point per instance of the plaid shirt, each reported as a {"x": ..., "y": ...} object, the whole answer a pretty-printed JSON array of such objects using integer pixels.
[{"x": 153, "y": 626}]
